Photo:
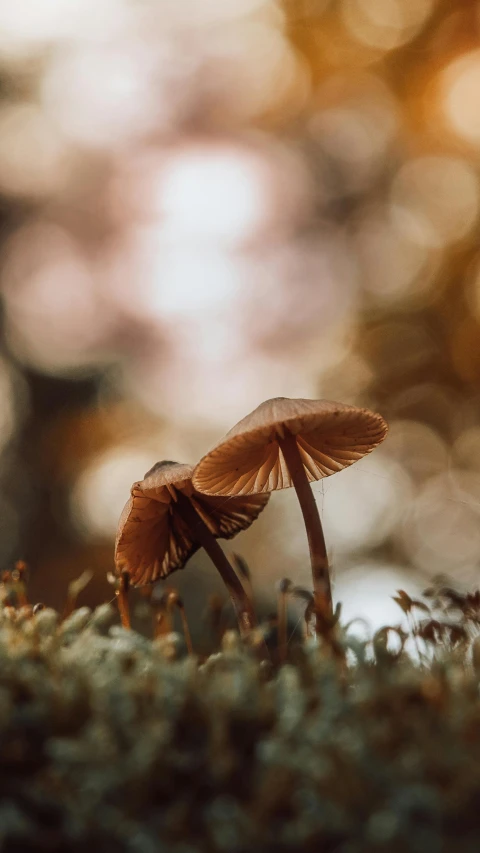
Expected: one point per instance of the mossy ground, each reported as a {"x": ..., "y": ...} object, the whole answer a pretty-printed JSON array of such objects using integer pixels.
[{"x": 111, "y": 741}]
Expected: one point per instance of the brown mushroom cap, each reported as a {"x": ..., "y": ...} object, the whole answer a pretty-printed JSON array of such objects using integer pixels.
[
  {"x": 330, "y": 436},
  {"x": 152, "y": 538}
]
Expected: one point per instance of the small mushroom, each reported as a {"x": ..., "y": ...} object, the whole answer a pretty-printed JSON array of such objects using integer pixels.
[
  {"x": 288, "y": 442},
  {"x": 173, "y": 599},
  {"x": 166, "y": 520}
]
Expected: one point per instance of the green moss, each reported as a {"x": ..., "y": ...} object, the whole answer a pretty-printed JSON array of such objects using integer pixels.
[{"x": 113, "y": 742}]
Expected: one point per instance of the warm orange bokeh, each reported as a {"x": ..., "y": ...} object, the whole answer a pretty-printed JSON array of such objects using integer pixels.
[{"x": 210, "y": 204}]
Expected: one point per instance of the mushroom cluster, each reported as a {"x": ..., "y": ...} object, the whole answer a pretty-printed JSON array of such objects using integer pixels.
[
  {"x": 177, "y": 508},
  {"x": 166, "y": 520}
]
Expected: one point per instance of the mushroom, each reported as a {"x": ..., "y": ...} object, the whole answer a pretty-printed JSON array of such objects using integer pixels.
[
  {"x": 162, "y": 618},
  {"x": 286, "y": 442},
  {"x": 166, "y": 520}
]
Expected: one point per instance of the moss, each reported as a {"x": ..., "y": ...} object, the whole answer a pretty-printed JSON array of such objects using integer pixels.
[{"x": 111, "y": 741}]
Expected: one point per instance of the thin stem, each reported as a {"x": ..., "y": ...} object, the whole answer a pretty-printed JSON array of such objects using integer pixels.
[
  {"x": 243, "y": 572},
  {"x": 75, "y": 587},
  {"x": 162, "y": 621},
  {"x": 122, "y": 599},
  {"x": 186, "y": 629},
  {"x": 18, "y": 575},
  {"x": 316, "y": 541},
  {"x": 216, "y": 617},
  {"x": 282, "y": 625},
  {"x": 173, "y": 600},
  {"x": 241, "y": 602},
  {"x": 162, "y": 614}
]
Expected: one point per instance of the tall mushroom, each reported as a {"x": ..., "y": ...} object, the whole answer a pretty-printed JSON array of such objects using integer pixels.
[
  {"x": 288, "y": 442},
  {"x": 166, "y": 520}
]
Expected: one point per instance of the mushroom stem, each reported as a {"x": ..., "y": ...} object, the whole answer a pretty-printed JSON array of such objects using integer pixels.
[
  {"x": 241, "y": 602},
  {"x": 316, "y": 541}
]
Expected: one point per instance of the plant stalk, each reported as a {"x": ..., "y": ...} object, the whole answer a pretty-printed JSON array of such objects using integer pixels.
[
  {"x": 122, "y": 600},
  {"x": 186, "y": 629},
  {"x": 282, "y": 625},
  {"x": 316, "y": 541}
]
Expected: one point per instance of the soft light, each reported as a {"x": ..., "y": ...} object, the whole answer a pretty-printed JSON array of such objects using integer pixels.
[
  {"x": 363, "y": 504},
  {"x": 466, "y": 450},
  {"x": 460, "y": 88},
  {"x": 395, "y": 267},
  {"x": 356, "y": 130},
  {"x": 27, "y": 24},
  {"x": 213, "y": 193},
  {"x": 366, "y": 592},
  {"x": 441, "y": 531},
  {"x": 435, "y": 199},
  {"x": 32, "y": 153},
  {"x": 101, "y": 96},
  {"x": 53, "y": 321},
  {"x": 418, "y": 448},
  {"x": 385, "y": 24},
  {"x": 102, "y": 490}
]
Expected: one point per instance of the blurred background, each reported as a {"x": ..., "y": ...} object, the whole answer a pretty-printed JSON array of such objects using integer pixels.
[{"x": 207, "y": 204}]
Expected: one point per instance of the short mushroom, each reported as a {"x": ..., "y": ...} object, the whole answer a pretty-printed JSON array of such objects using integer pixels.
[
  {"x": 166, "y": 520},
  {"x": 287, "y": 442}
]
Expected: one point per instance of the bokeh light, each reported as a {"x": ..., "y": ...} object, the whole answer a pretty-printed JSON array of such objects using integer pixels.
[
  {"x": 460, "y": 83},
  {"x": 466, "y": 449},
  {"x": 214, "y": 194},
  {"x": 100, "y": 96},
  {"x": 395, "y": 266},
  {"x": 442, "y": 526},
  {"x": 103, "y": 488},
  {"x": 51, "y": 301},
  {"x": 418, "y": 448},
  {"x": 366, "y": 592},
  {"x": 205, "y": 205},
  {"x": 385, "y": 24},
  {"x": 33, "y": 156},
  {"x": 381, "y": 487},
  {"x": 435, "y": 199},
  {"x": 356, "y": 126}
]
